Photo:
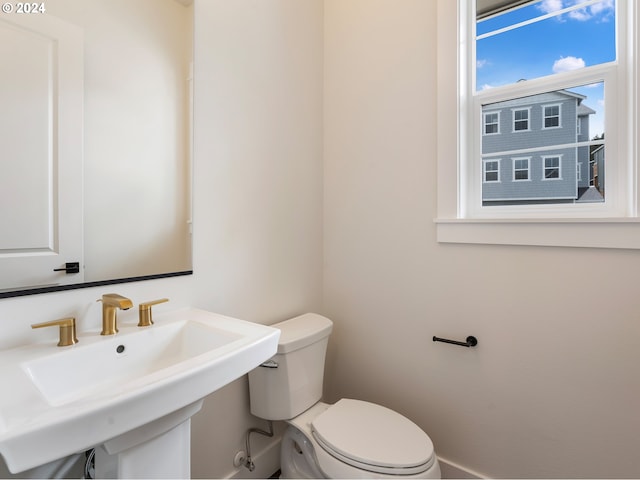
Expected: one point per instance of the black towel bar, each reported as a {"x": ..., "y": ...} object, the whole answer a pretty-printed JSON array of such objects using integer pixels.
[{"x": 471, "y": 341}]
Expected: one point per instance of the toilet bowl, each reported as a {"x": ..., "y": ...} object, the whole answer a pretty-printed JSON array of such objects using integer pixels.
[{"x": 349, "y": 439}]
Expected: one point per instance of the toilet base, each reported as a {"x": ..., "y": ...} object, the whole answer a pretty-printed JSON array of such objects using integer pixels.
[{"x": 297, "y": 456}]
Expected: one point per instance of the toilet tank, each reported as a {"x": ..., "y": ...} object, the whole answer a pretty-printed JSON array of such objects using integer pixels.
[{"x": 291, "y": 381}]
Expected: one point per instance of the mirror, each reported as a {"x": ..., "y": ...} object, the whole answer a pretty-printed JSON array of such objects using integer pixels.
[{"x": 130, "y": 126}]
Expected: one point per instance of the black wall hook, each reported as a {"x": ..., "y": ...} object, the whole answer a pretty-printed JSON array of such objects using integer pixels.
[{"x": 471, "y": 341}]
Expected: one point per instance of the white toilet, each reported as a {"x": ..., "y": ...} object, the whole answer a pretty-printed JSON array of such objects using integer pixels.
[{"x": 349, "y": 439}]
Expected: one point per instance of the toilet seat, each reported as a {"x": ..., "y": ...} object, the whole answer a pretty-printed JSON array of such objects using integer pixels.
[{"x": 373, "y": 438}]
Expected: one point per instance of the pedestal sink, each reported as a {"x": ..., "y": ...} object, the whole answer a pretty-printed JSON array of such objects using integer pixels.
[{"x": 130, "y": 395}]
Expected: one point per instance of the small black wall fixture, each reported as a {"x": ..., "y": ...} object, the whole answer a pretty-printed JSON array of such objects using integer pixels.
[{"x": 471, "y": 341}]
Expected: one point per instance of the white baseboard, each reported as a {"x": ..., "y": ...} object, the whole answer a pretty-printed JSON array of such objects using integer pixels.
[
  {"x": 453, "y": 470},
  {"x": 266, "y": 461}
]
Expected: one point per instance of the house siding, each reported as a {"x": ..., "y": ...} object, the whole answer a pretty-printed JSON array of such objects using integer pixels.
[
  {"x": 508, "y": 141},
  {"x": 536, "y": 188},
  {"x": 598, "y": 161}
]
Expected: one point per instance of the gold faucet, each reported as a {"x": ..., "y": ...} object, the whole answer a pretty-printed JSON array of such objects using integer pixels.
[
  {"x": 111, "y": 302},
  {"x": 67, "y": 330}
]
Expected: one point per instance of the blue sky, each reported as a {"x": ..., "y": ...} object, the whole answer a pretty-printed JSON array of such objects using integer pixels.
[{"x": 580, "y": 38}]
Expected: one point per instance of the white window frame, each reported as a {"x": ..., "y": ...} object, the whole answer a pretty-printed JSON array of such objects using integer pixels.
[
  {"x": 612, "y": 224},
  {"x": 528, "y": 169},
  {"x": 484, "y": 123},
  {"x": 544, "y": 168},
  {"x": 513, "y": 119},
  {"x": 544, "y": 116},
  {"x": 497, "y": 161}
]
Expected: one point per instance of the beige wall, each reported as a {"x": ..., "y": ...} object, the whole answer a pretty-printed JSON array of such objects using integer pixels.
[
  {"x": 258, "y": 187},
  {"x": 553, "y": 387}
]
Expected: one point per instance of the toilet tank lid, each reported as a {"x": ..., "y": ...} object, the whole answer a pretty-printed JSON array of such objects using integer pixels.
[{"x": 303, "y": 330}]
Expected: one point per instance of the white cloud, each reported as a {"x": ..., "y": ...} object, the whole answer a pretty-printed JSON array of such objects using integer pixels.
[
  {"x": 601, "y": 9},
  {"x": 582, "y": 15},
  {"x": 564, "y": 64},
  {"x": 481, "y": 63},
  {"x": 548, "y": 6},
  {"x": 605, "y": 6}
]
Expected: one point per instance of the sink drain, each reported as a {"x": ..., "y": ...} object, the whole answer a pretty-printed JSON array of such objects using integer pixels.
[{"x": 120, "y": 348}]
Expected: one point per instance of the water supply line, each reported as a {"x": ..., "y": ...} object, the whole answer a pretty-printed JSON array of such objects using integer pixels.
[
  {"x": 249, "y": 462},
  {"x": 90, "y": 464}
]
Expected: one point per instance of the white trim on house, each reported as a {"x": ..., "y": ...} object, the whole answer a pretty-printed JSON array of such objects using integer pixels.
[
  {"x": 485, "y": 123},
  {"x": 545, "y": 116},
  {"x": 498, "y": 162},
  {"x": 563, "y": 146},
  {"x": 545, "y": 167},
  {"x": 514, "y": 120},
  {"x": 516, "y": 169}
]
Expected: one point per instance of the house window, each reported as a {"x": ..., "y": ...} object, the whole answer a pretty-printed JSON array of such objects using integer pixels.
[
  {"x": 520, "y": 169},
  {"x": 520, "y": 120},
  {"x": 551, "y": 116},
  {"x": 491, "y": 171},
  {"x": 491, "y": 123},
  {"x": 551, "y": 168},
  {"x": 550, "y": 66}
]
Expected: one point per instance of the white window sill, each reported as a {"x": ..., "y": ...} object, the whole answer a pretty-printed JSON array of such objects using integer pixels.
[{"x": 591, "y": 233}]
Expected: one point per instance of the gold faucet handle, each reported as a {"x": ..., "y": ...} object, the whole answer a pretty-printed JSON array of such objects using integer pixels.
[
  {"x": 144, "y": 310},
  {"x": 67, "y": 330}
]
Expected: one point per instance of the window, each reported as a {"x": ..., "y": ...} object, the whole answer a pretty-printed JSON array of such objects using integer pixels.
[
  {"x": 547, "y": 66},
  {"x": 520, "y": 120},
  {"x": 491, "y": 171},
  {"x": 491, "y": 123},
  {"x": 551, "y": 168},
  {"x": 551, "y": 116},
  {"x": 520, "y": 169}
]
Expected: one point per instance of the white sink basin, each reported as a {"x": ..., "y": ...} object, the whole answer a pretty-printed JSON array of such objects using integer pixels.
[
  {"x": 117, "y": 362},
  {"x": 58, "y": 401}
]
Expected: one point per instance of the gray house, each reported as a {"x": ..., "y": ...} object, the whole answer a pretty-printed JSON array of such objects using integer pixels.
[
  {"x": 597, "y": 168},
  {"x": 527, "y": 152}
]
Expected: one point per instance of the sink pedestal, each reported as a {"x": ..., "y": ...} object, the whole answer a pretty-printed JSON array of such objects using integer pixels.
[{"x": 160, "y": 449}]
